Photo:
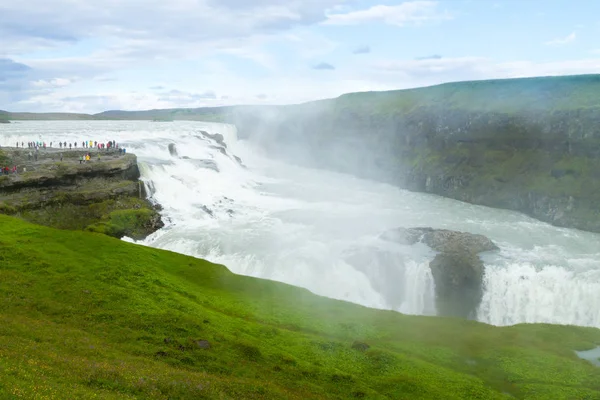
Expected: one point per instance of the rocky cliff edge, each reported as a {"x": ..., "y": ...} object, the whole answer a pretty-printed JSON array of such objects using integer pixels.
[{"x": 54, "y": 187}]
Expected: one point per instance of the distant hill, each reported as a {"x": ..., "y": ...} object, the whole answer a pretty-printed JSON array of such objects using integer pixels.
[
  {"x": 203, "y": 113},
  {"x": 27, "y": 116},
  {"x": 4, "y": 116},
  {"x": 500, "y": 95}
]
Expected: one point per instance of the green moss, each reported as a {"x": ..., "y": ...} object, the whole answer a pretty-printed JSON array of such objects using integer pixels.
[
  {"x": 4, "y": 159},
  {"x": 7, "y": 208},
  {"x": 131, "y": 222},
  {"x": 128, "y": 216},
  {"x": 501, "y": 177},
  {"x": 83, "y": 315}
]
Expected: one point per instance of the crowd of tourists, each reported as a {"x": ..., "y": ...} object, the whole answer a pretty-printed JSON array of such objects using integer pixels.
[
  {"x": 9, "y": 170},
  {"x": 63, "y": 145},
  {"x": 35, "y": 146}
]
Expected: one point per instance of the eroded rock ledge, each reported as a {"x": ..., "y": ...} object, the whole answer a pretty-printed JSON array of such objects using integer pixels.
[
  {"x": 102, "y": 195},
  {"x": 457, "y": 269}
]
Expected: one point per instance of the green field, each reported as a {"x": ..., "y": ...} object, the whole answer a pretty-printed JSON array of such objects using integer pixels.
[{"x": 83, "y": 315}]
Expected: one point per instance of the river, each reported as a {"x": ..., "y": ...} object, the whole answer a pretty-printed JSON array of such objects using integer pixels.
[{"x": 319, "y": 229}]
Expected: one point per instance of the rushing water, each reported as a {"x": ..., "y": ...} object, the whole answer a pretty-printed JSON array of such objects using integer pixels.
[{"x": 319, "y": 229}]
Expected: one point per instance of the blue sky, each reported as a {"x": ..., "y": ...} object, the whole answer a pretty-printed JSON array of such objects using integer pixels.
[{"x": 92, "y": 55}]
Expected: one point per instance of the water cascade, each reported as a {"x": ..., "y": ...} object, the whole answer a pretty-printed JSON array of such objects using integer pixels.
[{"x": 223, "y": 200}]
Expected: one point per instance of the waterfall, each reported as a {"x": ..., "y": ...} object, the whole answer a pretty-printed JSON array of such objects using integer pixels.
[{"x": 319, "y": 230}]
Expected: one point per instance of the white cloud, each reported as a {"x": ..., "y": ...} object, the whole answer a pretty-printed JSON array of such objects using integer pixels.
[
  {"x": 261, "y": 58},
  {"x": 36, "y": 23},
  {"x": 364, "y": 49},
  {"x": 408, "y": 13},
  {"x": 179, "y": 46},
  {"x": 308, "y": 45},
  {"x": 323, "y": 66},
  {"x": 52, "y": 83},
  {"x": 560, "y": 41}
]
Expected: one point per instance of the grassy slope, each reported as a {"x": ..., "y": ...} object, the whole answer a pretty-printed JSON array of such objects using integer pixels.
[{"x": 83, "y": 315}]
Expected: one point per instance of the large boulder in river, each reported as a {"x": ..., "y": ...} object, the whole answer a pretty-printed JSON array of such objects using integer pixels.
[{"x": 457, "y": 269}]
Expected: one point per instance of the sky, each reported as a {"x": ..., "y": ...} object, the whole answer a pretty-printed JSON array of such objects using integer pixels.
[{"x": 90, "y": 55}]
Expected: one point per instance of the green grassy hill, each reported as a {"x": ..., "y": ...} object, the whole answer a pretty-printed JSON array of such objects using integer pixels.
[
  {"x": 83, "y": 315},
  {"x": 548, "y": 94},
  {"x": 499, "y": 95},
  {"x": 23, "y": 116}
]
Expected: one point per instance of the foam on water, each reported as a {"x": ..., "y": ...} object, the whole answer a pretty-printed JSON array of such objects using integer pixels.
[{"x": 319, "y": 230}]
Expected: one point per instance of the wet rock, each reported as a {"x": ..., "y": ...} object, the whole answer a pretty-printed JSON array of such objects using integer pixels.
[
  {"x": 239, "y": 160},
  {"x": 207, "y": 210},
  {"x": 458, "y": 277},
  {"x": 155, "y": 223},
  {"x": 173, "y": 149},
  {"x": 457, "y": 270},
  {"x": 441, "y": 239},
  {"x": 217, "y": 137},
  {"x": 222, "y": 150},
  {"x": 209, "y": 164}
]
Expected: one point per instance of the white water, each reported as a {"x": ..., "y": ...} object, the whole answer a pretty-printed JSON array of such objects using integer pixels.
[{"x": 319, "y": 229}]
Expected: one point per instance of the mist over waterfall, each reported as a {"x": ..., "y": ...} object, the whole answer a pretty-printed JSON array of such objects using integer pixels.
[{"x": 223, "y": 199}]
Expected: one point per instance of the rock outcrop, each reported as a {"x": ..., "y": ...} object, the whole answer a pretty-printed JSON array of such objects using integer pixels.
[
  {"x": 102, "y": 195},
  {"x": 217, "y": 137},
  {"x": 173, "y": 150},
  {"x": 457, "y": 269},
  {"x": 221, "y": 145}
]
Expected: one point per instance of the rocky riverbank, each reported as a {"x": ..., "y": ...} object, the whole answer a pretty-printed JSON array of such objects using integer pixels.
[{"x": 103, "y": 194}]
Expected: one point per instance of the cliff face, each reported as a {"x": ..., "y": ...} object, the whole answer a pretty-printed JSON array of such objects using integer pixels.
[
  {"x": 542, "y": 159},
  {"x": 102, "y": 195}
]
